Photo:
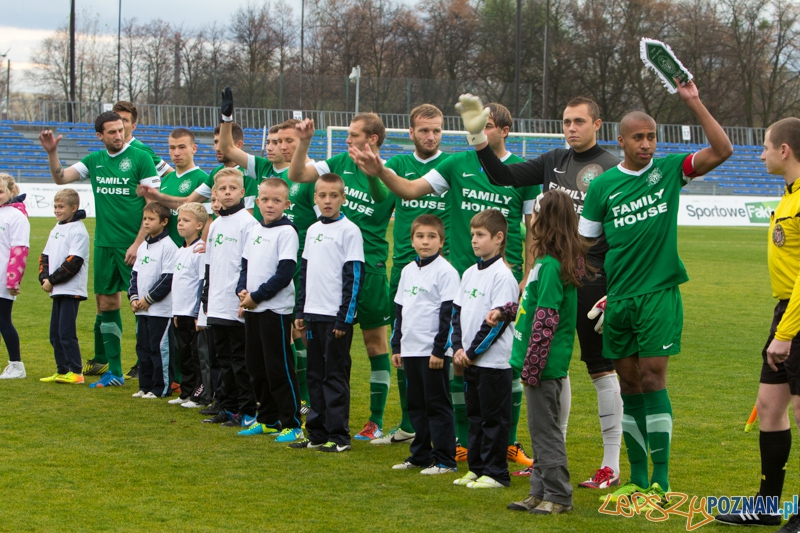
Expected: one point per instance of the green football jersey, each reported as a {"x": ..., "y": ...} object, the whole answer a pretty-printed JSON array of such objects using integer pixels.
[
  {"x": 114, "y": 181},
  {"x": 411, "y": 167},
  {"x": 544, "y": 288},
  {"x": 160, "y": 164},
  {"x": 180, "y": 186},
  {"x": 301, "y": 213},
  {"x": 259, "y": 169},
  {"x": 371, "y": 218},
  {"x": 638, "y": 211},
  {"x": 471, "y": 193},
  {"x": 250, "y": 187}
]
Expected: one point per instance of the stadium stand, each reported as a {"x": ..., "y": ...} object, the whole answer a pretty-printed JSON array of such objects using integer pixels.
[{"x": 22, "y": 156}]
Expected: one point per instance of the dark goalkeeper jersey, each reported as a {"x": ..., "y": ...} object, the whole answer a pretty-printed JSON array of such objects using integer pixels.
[{"x": 562, "y": 169}]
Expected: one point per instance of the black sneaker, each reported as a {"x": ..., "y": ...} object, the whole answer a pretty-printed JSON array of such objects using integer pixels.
[
  {"x": 792, "y": 526},
  {"x": 748, "y": 519},
  {"x": 211, "y": 410},
  {"x": 219, "y": 418},
  {"x": 305, "y": 443},
  {"x": 234, "y": 421},
  {"x": 332, "y": 447},
  {"x": 133, "y": 373}
]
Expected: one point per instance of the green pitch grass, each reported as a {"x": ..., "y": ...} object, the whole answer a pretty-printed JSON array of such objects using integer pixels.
[{"x": 75, "y": 459}]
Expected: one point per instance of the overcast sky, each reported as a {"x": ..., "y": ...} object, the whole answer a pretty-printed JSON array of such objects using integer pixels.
[{"x": 22, "y": 28}]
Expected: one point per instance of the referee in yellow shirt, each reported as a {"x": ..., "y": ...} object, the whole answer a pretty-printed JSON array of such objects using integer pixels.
[{"x": 780, "y": 373}]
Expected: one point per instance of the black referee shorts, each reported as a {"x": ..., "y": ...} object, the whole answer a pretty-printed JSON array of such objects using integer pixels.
[{"x": 789, "y": 370}]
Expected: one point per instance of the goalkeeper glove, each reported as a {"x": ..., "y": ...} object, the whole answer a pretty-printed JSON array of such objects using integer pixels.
[
  {"x": 474, "y": 116},
  {"x": 226, "y": 108},
  {"x": 598, "y": 309}
]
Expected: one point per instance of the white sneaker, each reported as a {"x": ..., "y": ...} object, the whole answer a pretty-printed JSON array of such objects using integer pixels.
[
  {"x": 439, "y": 469},
  {"x": 138, "y": 394},
  {"x": 406, "y": 465},
  {"x": 189, "y": 404},
  {"x": 395, "y": 436},
  {"x": 178, "y": 401},
  {"x": 465, "y": 480},
  {"x": 485, "y": 482},
  {"x": 149, "y": 396},
  {"x": 14, "y": 370}
]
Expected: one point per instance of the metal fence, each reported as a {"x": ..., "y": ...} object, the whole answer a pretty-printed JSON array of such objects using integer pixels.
[{"x": 53, "y": 111}]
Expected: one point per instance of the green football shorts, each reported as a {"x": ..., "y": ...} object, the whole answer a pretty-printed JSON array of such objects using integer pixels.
[
  {"x": 649, "y": 325},
  {"x": 111, "y": 274},
  {"x": 374, "y": 307}
]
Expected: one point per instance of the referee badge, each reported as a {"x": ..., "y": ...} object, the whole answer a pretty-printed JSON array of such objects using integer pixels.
[{"x": 778, "y": 235}]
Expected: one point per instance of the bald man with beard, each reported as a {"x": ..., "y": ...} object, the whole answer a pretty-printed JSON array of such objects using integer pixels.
[{"x": 636, "y": 206}]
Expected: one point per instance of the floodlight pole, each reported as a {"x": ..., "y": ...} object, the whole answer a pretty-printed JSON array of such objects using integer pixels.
[
  {"x": 71, "y": 60},
  {"x": 546, "y": 66},
  {"x": 8, "y": 88},
  {"x": 119, "y": 47},
  {"x": 302, "y": 42},
  {"x": 518, "y": 58}
]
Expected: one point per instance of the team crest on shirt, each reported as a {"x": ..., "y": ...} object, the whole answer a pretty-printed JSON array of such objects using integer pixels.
[
  {"x": 294, "y": 188},
  {"x": 778, "y": 235},
  {"x": 654, "y": 177},
  {"x": 185, "y": 186},
  {"x": 586, "y": 175},
  {"x": 125, "y": 165}
]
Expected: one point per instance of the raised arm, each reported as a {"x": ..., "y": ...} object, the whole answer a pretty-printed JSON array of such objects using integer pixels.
[
  {"x": 226, "y": 146},
  {"x": 298, "y": 170},
  {"x": 61, "y": 175},
  {"x": 371, "y": 165},
  {"x": 720, "y": 147}
]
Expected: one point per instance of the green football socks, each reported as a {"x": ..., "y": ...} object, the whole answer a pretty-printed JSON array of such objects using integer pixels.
[
  {"x": 659, "y": 434},
  {"x": 634, "y": 432},
  {"x": 379, "y": 379},
  {"x": 99, "y": 348},
  {"x": 301, "y": 363},
  {"x": 460, "y": 410},
  {"x": 405, "y": 422},
  {"x": 111, "y": 331}
]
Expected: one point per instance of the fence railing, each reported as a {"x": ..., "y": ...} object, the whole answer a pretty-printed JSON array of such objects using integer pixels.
[{"x": 54, "y": 111}]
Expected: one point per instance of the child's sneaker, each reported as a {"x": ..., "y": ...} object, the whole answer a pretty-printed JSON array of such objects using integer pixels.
[
  {"x": 290, "y": 435},
  {"x": 94, "y": 369},
  {"x": 50, "y": 379},
  {"x": 219, "y": 418},
  {"x": 191, "y": 404},
  {"x": 138, "y": 394},
  {"x": 371, "y": 431},
  {"x": 527, "y": 505},
  {"x": 525, "y": 472},
  {"x": 439, "y": 469},
  {"x": 178, "y": 401},
  {"x": 14, "y": 370},
  {"x": 212, "y": 410},
  {"x": 108, "y": 380},
  {"x": 602, "y": 479},
  {"x": 133, "y": 373},
  {"x": 517, "y": 455},
  {"x": 461, "y": 454},
  {"x": 332, "y": 447},
  {"x": 395, "y": 436},
  {"x": 149, "y": 396},
  {"x": 258, "y": 429},
  {"x": 406, "y": 465},
  {"x": 468, "y": 478},
  {"x": 70, "y": 378},
  {"x": 234, "y": 421},
  {"x": 547, "y": 507},
  {"x": 485, "y": 482},
  {"x": 306, "y": 444}
]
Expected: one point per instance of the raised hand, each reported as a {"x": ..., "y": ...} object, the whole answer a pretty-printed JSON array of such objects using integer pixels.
[
  {"x": 226, "y": 108},
  {"x": 49, "y": 141}
]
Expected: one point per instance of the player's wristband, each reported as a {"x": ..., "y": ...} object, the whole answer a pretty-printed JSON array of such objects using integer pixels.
[
  {"x": 474, "y": 139},
  {"x": 227, "y": 118}
]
